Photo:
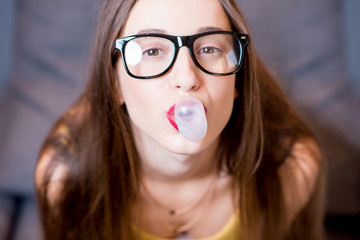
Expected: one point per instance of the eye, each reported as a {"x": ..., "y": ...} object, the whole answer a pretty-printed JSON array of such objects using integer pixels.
[
  {"x": 152, "y": 52},
  {"x": 209, "y": 50}
]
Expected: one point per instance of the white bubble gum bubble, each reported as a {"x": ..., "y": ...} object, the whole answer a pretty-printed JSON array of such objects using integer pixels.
[{"x": 190, "y": 118}]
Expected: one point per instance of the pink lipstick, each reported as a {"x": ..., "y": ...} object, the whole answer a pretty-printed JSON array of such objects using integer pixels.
[{"x": 171, "y": 117}]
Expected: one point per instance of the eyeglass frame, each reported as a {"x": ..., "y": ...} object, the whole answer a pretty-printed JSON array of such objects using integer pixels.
[{"x": 180, "y": 41}]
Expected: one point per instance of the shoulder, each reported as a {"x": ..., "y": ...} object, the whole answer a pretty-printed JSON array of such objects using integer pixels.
[
  {"x": 50, "y": 175},
  {"x": 58, "y": 154},
  {"x": 299, "y": 175}
]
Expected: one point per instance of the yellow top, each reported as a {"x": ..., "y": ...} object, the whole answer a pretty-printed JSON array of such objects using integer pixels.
[{"x": 229, "y": 232}]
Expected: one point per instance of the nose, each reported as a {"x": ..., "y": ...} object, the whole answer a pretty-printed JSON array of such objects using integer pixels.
[{"x": 185, "y": 73}]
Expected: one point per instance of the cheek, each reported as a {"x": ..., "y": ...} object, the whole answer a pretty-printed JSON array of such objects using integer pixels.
[
  {"x": 120, "y": 74},
  {"x": 139, "y": 97},
  {"x": 131, "y": 90},
  {"x": 224, "y": 107},
  {"x": 223, "y": 94}
]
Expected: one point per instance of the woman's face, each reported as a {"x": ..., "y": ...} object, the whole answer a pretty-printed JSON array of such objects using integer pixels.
[{"x": 148, "y": 101}]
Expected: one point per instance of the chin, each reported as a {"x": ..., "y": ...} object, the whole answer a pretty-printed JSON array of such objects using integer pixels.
[
  {"x": 171, "y": 143},
  {"x": 182, "y": 146}
]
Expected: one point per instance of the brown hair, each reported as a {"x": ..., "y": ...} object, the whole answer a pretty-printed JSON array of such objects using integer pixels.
[{"x": 95, "y": 142}]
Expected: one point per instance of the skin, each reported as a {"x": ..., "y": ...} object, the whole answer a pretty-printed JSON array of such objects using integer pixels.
[
  {"x": 162, "y": 147},
  {"x": 175, "y": 170},
  {"x": 170, "y": 163}
]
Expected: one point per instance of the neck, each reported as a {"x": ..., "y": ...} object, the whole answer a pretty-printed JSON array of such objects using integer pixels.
[
  {"x": 173, "y": 169},
  {"x": 177, "y": 189},
  {"x": 160, "y": 165}
]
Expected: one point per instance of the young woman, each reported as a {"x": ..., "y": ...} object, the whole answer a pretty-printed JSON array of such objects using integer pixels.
[{"x": 116, "y": 165}]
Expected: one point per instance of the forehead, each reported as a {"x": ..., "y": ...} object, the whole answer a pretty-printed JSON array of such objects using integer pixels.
[{"x": 176, "y": 17}]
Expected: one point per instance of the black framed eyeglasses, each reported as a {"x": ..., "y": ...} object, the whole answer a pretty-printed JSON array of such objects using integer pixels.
[{"x": 152, "y": 55}]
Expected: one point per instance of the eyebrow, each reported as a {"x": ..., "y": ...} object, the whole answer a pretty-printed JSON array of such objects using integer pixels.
[
  {"x": 200, "y": 30},
  {"x": 151, "y": 30},
  {"x": 209, "y": 29}
]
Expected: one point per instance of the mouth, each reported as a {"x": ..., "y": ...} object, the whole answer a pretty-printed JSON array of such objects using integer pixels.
[{"x": 171, "y": 117}]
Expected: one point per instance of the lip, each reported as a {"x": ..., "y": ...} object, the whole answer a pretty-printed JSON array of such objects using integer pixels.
[{"x": 171, "y": 116}]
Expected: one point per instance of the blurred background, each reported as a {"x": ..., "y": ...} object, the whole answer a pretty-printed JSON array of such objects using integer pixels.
[{"x": 311, "y": 46}]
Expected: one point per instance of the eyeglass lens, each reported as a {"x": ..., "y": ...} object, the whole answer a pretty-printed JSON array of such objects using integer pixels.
[{"x": 150, "y": 55}]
